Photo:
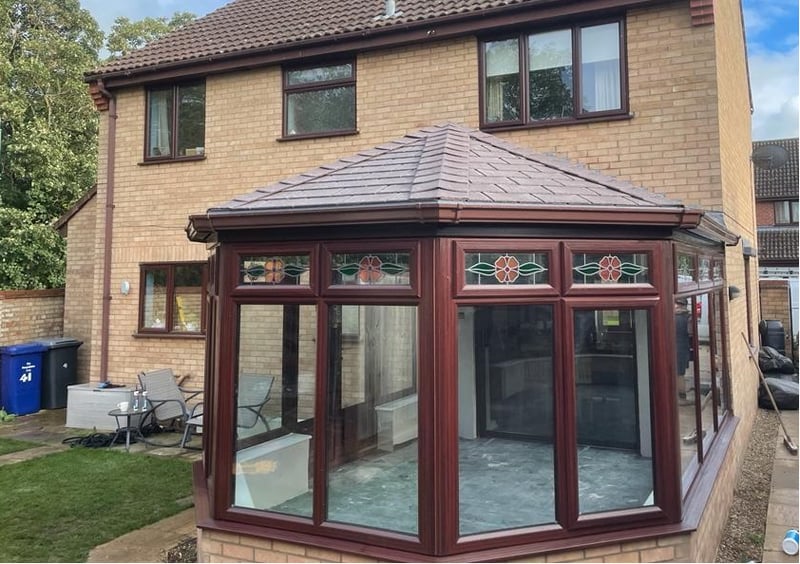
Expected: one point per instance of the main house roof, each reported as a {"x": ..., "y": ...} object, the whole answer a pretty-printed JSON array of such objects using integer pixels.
[
  {"x": 446, "y": 173},
  {"x": 249, "y": 27},
  {"x": 779, "y": 183}
]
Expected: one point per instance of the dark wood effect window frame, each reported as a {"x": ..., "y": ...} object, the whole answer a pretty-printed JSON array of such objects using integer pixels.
[
  {"x": 793, "y": 212},
  {"x": 173, "y": 156},
  {"x": 438, "y": 291},
  {"x": 524, "y": 121},
  {"x": 317, "y": 86},
  {"x": 167, "y": 330}
]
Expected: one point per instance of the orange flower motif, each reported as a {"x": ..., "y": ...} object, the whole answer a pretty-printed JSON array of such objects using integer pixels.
[
  {"x": 610, "y": 268},
  {"x": 506, "y": 269},
  {"x": 369, "y": 269},
  {"x": 273, "y": 271}
]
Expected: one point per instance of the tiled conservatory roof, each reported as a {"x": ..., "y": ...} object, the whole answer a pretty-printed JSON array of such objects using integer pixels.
[
  {"x": 253, "y": 26},
  {"x": 448, "y": 164},
  {"x": 781, "y": 182}
]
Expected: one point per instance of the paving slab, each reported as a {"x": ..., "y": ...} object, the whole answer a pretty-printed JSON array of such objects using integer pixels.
[
  {"x": 29, "y": 453},
  {"x": 784, "y": 498}
]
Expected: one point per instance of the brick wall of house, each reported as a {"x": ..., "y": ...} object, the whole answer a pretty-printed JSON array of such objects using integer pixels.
[
  {"x": 765, "y": 213},
  {"x": 28, "y": 314},
  {"x": 79, "y": 291},
  {"x": 216, "y": 546}
]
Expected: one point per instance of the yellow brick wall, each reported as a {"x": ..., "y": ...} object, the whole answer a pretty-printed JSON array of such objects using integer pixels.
[
  {"x": 217, "y": 546},
  {"x": 29, "y": 314},
  {"x": 776, "y": 304},
  {"x": 79, "y": 290}
]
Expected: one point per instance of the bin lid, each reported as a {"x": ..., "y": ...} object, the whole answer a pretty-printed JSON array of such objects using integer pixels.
[
  {"x": 23, "y": 348},
  {"x": 58, "y": 342}
]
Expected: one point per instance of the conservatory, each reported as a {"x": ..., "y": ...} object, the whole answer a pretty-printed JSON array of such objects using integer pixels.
[{"x": 466, "y": 347}]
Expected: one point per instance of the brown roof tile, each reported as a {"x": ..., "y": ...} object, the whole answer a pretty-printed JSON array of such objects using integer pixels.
[
  {"x": 778, "y": 244},
  {"x": 461, "y": 166},
  {"x": 778, "y": 183}
]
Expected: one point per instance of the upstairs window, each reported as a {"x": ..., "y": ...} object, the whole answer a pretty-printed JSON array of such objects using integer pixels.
[
  {"x": 555, "y": 75},
  {"x": 786, "y": 212},
  {"x": 171, "y": 298},
  {"x": 176, "y": 121},
  {"x": 319, "y": 100}
]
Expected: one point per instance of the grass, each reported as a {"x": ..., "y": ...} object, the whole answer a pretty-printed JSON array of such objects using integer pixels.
[
  {"x": 8, "y": 446},
  {"x": 58, "y": 507}
]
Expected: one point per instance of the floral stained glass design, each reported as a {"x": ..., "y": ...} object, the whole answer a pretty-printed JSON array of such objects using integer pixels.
[
  {"x": 716, "y": 271},
  {"x": 508, "y": 269},
  {"x": 704, "y": 270},
  {"x": 686, "y": 270},
  {"x": 625, "y": 268},
  {"x": 275, "y": 270},
  {"x": 381, "y": 269}
]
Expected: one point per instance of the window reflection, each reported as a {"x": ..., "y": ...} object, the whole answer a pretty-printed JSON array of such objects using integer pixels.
[
  {"x": 372, "y": 394},
  {"x": 612, "y": 380},
  {"x": 684, "y": 362}
]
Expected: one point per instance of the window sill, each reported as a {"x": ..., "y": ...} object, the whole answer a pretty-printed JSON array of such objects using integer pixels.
[
  {"x": 158, "y": 161},
  {"x": 320, "y": 135},
  {"x": 188, "y": 336},
  {"x": 554, "y": 123}
]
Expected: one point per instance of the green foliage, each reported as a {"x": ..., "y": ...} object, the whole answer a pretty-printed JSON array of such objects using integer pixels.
[
  {"x": 31, "y": 253},
  {"x": 127, "y": 36}
]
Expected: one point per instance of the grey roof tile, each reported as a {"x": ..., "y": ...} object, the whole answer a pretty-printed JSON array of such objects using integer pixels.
[
  {"x": 387, "y": 175},
  {"x": 778, "y": 243},
  {"x": 782, "y": 182}
]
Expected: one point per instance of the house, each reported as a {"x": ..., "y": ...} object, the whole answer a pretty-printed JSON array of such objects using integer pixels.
[
  {"x": 776, "y": 185},
  {"x": 494, "y": 308}
]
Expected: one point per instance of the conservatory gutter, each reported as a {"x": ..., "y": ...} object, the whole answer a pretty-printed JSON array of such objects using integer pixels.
[{"x": 202, "y": 227}]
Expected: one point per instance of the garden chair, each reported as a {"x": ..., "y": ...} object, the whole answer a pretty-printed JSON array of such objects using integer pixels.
[
  {"x": 251, "y": 396},
  {"x": 169, "y": 402}
]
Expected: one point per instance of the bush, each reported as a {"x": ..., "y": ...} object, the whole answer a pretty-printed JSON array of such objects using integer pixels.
[{"x": 32, "y": 255}]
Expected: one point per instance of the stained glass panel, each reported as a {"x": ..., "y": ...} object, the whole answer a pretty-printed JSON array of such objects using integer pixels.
[
  {"x": 283, "y": 270},
  {"x": 509, "y": 268},
  {"x": 716, "y": 270},
  {"x": 365, "y": 269},
  {"x": 704, "y": 270},
  {"x": 610, "y": 268}
]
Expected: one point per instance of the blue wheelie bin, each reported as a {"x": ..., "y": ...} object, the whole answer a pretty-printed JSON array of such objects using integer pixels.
[{"x": 21, "y": 377}]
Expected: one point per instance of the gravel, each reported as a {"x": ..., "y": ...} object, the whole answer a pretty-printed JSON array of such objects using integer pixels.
[{"x": 743, "y": 537}]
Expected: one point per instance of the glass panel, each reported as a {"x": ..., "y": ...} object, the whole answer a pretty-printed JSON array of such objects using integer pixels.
[
  {"x": 612, "y": 397},
  {"x": 501, "y": 91},
  {"x": 155, "y": 299},
  {"x": 191, "y": 120},
  {"x": 716, "y": 270},
  {"x": 275, "y": 389},
  {"x": 188, "y": 300},
  {"x": 782, "y": 212},
  {"x": 382, "y": 269},
  {"x": 795, "y": 209},
  {"x": 704, "y": 365},
  {"x": 159, "y": 115},
  {"x": 505, "y": 417},
  {"x": 550, "y": 74},
  {"x": 598, "y": 268},
  {"x": 600, "y": 78},
  {"x": 686, "y": 268},
  {"x": 286, "y": 270},
  {"x": 319, "y": 74},
  {"x": 719, "y": 355},
  {"x": 684, "y": 363},
  {"x": 372, "y": 391},
  {"x": 704, "y": 270},
  {"x": 514, "y": 268},
  {"x": 315, "y": 111}
]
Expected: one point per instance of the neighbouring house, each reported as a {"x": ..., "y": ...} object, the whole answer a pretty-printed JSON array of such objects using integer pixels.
[
  {"x": 480, "y": 255},
  {"x": 776, "y": 185}
]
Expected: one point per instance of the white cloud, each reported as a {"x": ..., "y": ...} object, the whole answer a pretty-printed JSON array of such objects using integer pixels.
[{"x": 774, "y": 83}]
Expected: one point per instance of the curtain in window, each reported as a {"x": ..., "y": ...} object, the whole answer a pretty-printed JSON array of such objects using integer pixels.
[
  {"x": 160, "y": 112},
  {"x": 502, "y": 80},
  {"x": 600, "y": 68}
]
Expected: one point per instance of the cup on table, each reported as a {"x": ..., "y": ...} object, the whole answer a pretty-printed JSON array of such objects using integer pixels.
[{"x": 123, "y": 405}]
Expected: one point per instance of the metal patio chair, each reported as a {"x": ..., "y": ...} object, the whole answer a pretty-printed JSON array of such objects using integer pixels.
[
  {"x": 170, "y": 403},
  {"x": 252, "y": 394}
]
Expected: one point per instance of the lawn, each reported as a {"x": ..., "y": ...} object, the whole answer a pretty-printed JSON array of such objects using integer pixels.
[
  {"x": 12, "y": 445},
  {"x": 58, "y": 507}
]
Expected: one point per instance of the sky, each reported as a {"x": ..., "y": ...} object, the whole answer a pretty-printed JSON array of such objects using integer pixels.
[{"x": 771, "y": 28}]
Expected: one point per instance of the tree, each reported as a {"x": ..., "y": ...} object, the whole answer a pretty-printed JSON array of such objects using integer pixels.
[
  {"x": 47, "y": 122},
  {"x": 31, "y": 253},
  {"x": 127, "y": 36}
]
